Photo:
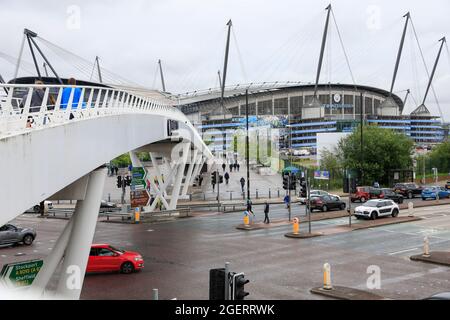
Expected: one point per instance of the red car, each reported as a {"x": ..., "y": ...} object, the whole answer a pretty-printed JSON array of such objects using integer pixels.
[
  {"x": 104, "y": 257},
  {"x": 366, "y": 193}
]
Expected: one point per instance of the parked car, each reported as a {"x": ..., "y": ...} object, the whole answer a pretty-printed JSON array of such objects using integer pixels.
[
  {"x": 314, "y": 193},
  {"x": 408, "y": 190},
  {"x": 10, "y": 234},
  {"x": 106, "y": 258},
  {"x": 365, "y": 193},
  {"x": 447, "y": 185},
  {"x": 107, "y": 204},
  {"x": 389, "y": 194},
  {"x": 374, "y": 209},
  {"x": 37, "y": 207},
  {"x": 439, "y": 296},
  {"x": 326, "y": 202},
  {"x": 433, "y": 192}
]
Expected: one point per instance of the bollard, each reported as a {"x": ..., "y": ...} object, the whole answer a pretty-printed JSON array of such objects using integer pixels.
[
  {"x": 137, "y": 215},
  {"x": 155, "y": 294},
  {"x": 190, "y": 196},
  {"x": 231, "y": 195},
  {"x": 270, "y": 194},
  {"x": 327, "y": 277},
  {"x": 426, "y": 247},
  {"x": 278, "y": 193},
  {"x": 410, "y": 209},
  {"x": 256, "y": 193},
  {"x": 246, "y": 220},
  {"x": 437, "y": 195},
  {"x": 109, "y": 197},
  {"x": 204, "y": 196},
  {"x": 296, "y": 226}
]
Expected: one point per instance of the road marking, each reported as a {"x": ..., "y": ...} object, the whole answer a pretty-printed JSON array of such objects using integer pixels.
[
  {"x": 402, "y": 251},
  {"x": 150, "y": 230},
  {"x": 4, "y": 256}
]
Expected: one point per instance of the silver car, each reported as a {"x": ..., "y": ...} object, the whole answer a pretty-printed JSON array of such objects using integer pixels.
[{"x": 10, "y": 234}]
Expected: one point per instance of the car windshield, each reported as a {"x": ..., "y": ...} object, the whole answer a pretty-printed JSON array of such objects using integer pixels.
[
  {"x": 372, "y": 204},
  {"x": 115, "y": 249}
]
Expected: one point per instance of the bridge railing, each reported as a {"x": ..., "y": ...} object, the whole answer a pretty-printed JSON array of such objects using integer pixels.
[{"x": 27, "y": 107}]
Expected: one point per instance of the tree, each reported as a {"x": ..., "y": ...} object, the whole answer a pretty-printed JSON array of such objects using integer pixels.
[
  {"x": 440, "y": 157},
  {"x": 383, "y": 150}
]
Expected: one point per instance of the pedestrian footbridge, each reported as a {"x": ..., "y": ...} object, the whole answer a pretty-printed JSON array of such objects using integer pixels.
[{"x": 54, "y": 150}]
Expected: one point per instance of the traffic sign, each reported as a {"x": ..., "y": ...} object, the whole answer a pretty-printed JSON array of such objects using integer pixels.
[
  {"x": 139, "y": 198},
  {"x": 20, "y": 274},
  {"x": 139, "y": 194}
]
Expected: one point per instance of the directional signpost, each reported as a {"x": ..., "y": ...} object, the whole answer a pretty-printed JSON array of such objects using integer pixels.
[
  {"x": 20, "y": 274},
  {"x": 140, "y": 197}
]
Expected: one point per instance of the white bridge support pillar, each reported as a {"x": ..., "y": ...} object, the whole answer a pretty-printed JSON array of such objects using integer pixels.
[
  {"x": 181, "y": 163},
  {"x": 192, "y": 165},
  {"x": 80, "y": 241}
]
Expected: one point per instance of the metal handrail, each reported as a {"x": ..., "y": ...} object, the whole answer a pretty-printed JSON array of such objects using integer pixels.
[{"x": 17, "y": 115}]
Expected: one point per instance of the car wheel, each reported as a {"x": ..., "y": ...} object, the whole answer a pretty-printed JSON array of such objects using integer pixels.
[
  {"x": 423, "y": 199},
  {"x": 342, "y": 206},
  {"x": 394, "y": 213},
  {"x": 28, "y": 239},
  {"x": 400, "y": 200},
  {"x": 127, "y": 268},
  {"x": 410, "y": 195},
  {"x": 36, "y": 209},
  {"x": 363, "y": 200},
  {"x": 324, "y": 208},
  {"x": 373, "y": 215}
]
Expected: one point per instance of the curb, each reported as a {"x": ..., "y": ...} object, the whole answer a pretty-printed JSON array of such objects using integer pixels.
[
  {"x": 303, "y": 235},
  {"x": 436, "y": 257},
  {"x": 346, "y": 293}
]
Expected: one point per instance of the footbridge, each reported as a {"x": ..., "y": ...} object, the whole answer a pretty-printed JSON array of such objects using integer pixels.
[{"x": 57, "y": 150}]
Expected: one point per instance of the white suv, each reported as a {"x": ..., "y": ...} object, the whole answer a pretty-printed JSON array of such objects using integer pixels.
[{"x": 377, "y": 208}]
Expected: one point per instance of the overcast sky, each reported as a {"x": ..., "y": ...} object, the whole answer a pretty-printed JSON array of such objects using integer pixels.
[{"x": 271, "y": 41}]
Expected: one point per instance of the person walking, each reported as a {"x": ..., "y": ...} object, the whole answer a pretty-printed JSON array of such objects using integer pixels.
[
  {"x": 238, "y": 166},
  {"x": 224, "y": 166},
  {"x": 242, "y": 181},
  {"x": 266, "y": 213},
  {"x": 231, "y": 167},
  {"x": 227, "y": 177},
  {"x": 286, "y": 201}
]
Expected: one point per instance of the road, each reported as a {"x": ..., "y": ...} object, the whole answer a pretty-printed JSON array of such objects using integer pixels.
[{"x": 179, "y": 254}]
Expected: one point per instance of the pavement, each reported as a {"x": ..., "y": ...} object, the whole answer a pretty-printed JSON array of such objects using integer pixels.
[
  {"x": 179, "y": 254},
  {"x": 436, "y": 257}
]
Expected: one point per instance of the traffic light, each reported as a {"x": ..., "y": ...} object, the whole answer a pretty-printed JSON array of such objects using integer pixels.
[
  {"x": 303, "y": 191},
  {"x": 285, "y": 182},
  {"x": 217, "y": 284},
  {"x": 220, "y": 179},
  {"x": 127, "y": 180},
  {"x": 293, "y": 182},
  {"x": 238, "y": 286},
  {"x": 119, "y": 181}
]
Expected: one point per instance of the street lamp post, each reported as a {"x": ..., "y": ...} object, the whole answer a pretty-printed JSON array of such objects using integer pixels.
[{"x": 247, "y": 153}]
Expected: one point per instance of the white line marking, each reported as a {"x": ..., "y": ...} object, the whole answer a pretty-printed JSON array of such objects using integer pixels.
[{"x": 402, "y": 251}]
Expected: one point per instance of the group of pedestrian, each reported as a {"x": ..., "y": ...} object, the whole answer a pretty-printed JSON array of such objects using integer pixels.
[
  {"x": 113, "y": 170},
  {"x": 249, "y": 212}
]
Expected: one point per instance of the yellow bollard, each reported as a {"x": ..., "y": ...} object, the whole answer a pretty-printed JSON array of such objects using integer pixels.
[
  {"x": 137, "y": 215},
  {"x": 246, "y": 220},
  {"x": 296, "y": 226},
  {"x": 327, "y": 277}
]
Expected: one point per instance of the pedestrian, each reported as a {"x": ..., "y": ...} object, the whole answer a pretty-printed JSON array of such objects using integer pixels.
[
  {"x": 238, "y": 166},
  {"x": 213, "y": 185},
  {"x": 200, "y": 180},
  {"x": 231, "y": 167},
  {"x": 249, "y": 206},
  {"x": 66, "y": 96},
  {"x": 227, "y": 177},
  {"x": 224, "y": 166},
  {"x": 266, "y": 213},
  {"x": 235, "y": 166},
  {"x": 242, "y": 183},
  {"x": 287, "y": 201}
]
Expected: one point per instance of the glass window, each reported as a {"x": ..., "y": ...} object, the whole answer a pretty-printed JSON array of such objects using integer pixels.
[
  {"x": 368, "y": 106},
  {"x": 281, "y": 106},
  {"x": 234, "y": 111},
  {"x": 358, "y": 105},
  {"x": 251, "y": 109},
  {"x": 296, "y": 105},
  {"x": 102, "y": 252},
  {"x": 93, "y": 252},
  {"x": 265, "y": 107}
]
